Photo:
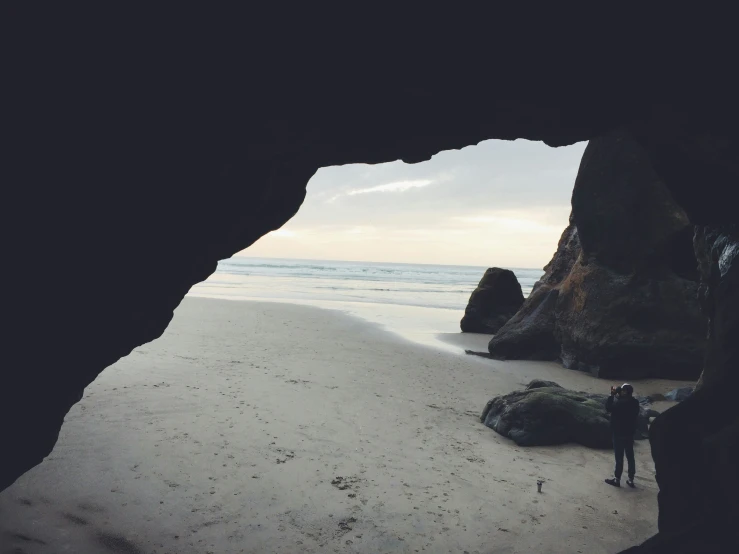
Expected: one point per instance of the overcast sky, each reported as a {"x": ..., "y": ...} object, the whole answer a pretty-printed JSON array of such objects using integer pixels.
[{"x": 498, "y": 203}]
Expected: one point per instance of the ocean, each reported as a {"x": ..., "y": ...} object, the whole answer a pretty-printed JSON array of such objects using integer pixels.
[{"x": 414, "y": 300}]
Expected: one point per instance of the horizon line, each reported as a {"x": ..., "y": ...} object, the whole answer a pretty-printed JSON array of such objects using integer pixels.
[{"x": 240, "y": 255}]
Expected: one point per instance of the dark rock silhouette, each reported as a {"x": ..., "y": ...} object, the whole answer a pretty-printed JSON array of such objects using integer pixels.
[
  {"x": 695, "y": 444},
  {"x": 145, "y": 161},
  {"x": 619, "y": 297},
  {"x": 493, "y": 302},
  {"x": 628, "y": 309},
  {"x": 546, "y": 414}
]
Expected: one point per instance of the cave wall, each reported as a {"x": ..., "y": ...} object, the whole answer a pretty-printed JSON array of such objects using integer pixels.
[
  {"x": 695, "y": 445},
  {"x": 144, "y": 147},
  {"x": 143, "y": 150}
]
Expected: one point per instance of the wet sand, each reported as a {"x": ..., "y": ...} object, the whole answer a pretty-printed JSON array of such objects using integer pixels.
[{"x": 265, "y": 427}]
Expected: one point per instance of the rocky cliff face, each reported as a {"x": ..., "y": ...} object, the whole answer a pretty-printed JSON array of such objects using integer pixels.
[
  {"x": 144, "y": 149},
  {"x": 619, "y": 297},
  {"x": 529, "y": 334},
  {"x": 493, "y": 302},
  {"x": 695, "y": 445}
]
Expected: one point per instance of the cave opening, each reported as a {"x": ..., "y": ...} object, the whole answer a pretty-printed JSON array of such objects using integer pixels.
[
  {"x": 345, "y": 435},
  {"x": 404, "y": 245},
  {"x": 118, "y": 132}
]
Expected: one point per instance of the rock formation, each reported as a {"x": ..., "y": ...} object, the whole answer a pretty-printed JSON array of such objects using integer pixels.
[
  {"x": 529, "y": 334},
  {"x": 141, "y": 150},
  {"x": 695, "y": 444},
  {"x": 545, "y": 414},
  {"x": 679, "y": 394},
  {"x": 493, "y": 302},
  {"x": 619, "y": 297}
]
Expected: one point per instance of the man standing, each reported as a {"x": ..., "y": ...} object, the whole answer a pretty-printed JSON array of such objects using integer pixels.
[{"x": 624, "y": 410}]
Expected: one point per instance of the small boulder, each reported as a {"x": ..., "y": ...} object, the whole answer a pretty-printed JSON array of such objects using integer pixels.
[
  {"x": 496, "y": 299},
  {"x": 547, "y": 414},
  {"x": 541, "y": 383},
  {"x": 679, "y": 394},
  {"x": 656, "y": 397}
]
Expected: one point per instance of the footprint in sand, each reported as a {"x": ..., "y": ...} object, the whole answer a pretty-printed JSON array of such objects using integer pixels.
[
  {"x": 77, "y": 520},
  {"x": 344, "y": 483},
  {"x": 283, "y": 454}
]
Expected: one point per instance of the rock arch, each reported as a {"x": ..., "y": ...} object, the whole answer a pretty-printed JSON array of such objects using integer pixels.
[{"x": 145, "y": 147}]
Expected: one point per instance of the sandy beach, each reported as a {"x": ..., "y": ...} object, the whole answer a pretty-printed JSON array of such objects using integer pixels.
[{"x": 265, "y": 427}]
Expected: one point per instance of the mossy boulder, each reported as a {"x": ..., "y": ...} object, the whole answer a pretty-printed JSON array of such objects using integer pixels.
[{"x": 547, "y": 414}]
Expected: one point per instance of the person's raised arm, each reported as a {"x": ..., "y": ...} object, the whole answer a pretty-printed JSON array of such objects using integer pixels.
[{"x": 609, "y": 402}]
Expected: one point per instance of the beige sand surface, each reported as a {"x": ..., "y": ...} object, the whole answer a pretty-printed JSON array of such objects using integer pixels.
[{"x": 264, "y": 427}]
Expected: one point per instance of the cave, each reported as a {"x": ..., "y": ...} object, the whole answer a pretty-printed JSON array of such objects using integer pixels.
[{"x": 119, "y": 121}]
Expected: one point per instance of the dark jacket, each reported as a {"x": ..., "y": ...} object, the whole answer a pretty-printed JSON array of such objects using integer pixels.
[{"x": 624, "y": 415}]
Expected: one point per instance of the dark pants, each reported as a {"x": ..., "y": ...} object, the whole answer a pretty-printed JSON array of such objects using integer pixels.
[{"x": 621, "y": 445}]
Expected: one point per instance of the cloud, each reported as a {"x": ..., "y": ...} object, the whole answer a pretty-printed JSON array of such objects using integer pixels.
[
  {"x": 283, "y": 234},
  {"x": 526, "y": 222},
  {"x": 500, "y": 202},
  {"x": 359, "y": 230},
  {"x": 395, "y": 186}
]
